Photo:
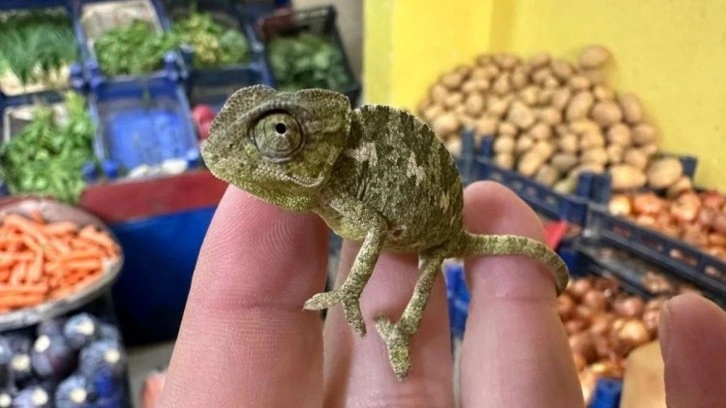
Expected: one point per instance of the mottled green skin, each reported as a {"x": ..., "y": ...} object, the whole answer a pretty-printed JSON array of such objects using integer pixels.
[{"x": 376, "y": 175}]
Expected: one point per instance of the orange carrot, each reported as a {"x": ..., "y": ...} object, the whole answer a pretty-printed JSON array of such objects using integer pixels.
[
  {"x": 60, "y": 228},
  {"x": 102, "y": 239},
  {"x": 35, "y": 272},
  {"x": 18, "y": 273},
  {"x": 25, "y": 226},
  {"x": 40, "y": 288},
  {"x": 37, "y": 217},
  {"x": 14, "y": 301}
]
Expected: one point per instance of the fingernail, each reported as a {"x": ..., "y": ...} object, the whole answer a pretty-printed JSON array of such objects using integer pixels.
[{"x": 663, "y": 333}]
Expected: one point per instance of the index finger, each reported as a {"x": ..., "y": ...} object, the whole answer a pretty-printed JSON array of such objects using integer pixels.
[
  {"x": 245, "y": 339},
  {"x": 515, "y": 351}
]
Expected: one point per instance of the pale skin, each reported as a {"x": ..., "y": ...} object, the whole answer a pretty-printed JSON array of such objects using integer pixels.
[
  {"x": 376, "y": 175},
  {"x": 246, "y": 342}
]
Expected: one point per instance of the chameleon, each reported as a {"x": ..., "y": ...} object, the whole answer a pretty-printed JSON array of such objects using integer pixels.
[{"x": 376, "y": 175}]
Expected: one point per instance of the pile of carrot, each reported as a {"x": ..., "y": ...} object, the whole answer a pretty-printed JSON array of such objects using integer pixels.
[{"x": 41, "y": 261}]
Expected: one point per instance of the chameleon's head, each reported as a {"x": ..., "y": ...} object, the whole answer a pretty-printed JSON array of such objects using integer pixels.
[{"x": 278, "y": 146}]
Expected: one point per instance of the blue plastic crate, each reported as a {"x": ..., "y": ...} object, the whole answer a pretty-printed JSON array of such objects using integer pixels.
[
  {"x": 142, "y": 123},
  {"x": 458, "y": 298},
  {"x": 541, "y": 198},
  {"x": 212, "y": 86},
  {"x": 607, "y": 393},
  {"x": 172, "y": 61},
  {"x": 684, "y": 260},
  {"x": 77, "y": 80},
  {"x": 319, "y": 20}
]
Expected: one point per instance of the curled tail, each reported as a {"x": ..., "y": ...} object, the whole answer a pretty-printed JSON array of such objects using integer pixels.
[{"x": 484, "y": 245}]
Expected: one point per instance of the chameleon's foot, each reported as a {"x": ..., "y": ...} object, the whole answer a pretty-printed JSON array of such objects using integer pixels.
[
  {"x": 351, "y": 305},
  {"x": 396, "y": 340}
]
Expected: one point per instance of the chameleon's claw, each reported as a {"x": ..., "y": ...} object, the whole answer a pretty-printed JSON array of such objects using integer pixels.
[
  {"x": 351, "y": 305},
  {"x": 396, "y": 341}
]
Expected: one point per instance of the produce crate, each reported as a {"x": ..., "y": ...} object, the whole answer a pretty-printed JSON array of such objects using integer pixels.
[
  {"x": 131, "y": 141},
  {"x": 316, "y": 20},
  {"x": 254, "y": 9},
  {"x": 684, "y": 260},
  {"x": 75, "y": 75},
  {"x": 94, "y": 18},
  {"x": 212, "y": 86}
]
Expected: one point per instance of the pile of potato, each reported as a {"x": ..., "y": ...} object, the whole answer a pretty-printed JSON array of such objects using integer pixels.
[
  {"x": 551, "y": 120},
  {"x": 604, "y": 325}
]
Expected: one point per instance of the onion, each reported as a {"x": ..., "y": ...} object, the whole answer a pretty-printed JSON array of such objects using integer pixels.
[
  {"x": 651, "y": 319},
  {"x": 574, "y": 326},
  {"x": 631, "y": 306},
  {"x": 719, "y": 222},
  {"x": 582, "y": 344},
  {"x": 717, "y": 239},
  {"x": 633, "y": 333},
  {"x": 706, "y": 216},
  {"x": 585, "y": 313},
  {"x": 603, "y": 347},
  {"x": 580, "y": 287},
  {"x": 695, "y": 235},
  {"x": 647, "y": 203},
  {"x": 565, "y": 306},
  {"x": 685, "y": 208},
  {"x": 620, "y": 205},
  {"x": 712, "y": 199},
  {"x": 607, "y": 368},
  {"x": 580, "y": 361},
  {"x": 594, "y": 300},
  {"x": 601, "y": 324},
  {"x": 609, "y": 287},
  {"x": 645, "y": 220}
]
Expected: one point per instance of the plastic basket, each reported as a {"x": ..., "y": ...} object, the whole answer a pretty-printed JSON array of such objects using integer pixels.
[
  {"x": 212, "y": 86},
  {"x": 122, "y": 152},
  {"x": 318, "y": 20},
  {"x": 76, "y": 77},
  {"x": 96, "y": 17}
]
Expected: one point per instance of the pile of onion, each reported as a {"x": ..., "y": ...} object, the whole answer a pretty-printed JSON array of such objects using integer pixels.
[{"x": 604, "y": 325}]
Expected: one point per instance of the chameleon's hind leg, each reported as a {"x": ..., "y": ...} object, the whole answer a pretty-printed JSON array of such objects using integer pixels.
[
  {"x": 349, "y": 293},
  {"x": 398, "y": 335}
]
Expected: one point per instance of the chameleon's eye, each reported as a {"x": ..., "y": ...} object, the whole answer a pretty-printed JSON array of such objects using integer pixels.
[{"x": 278, "y": 136}]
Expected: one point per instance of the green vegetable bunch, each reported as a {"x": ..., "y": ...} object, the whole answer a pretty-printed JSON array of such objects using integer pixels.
[
  {"x": 213, "y": 44},
  {"x": 36, "y": 44},
  {"x": 46, "y": 158},
  {"x": 307, "y": 61},
  {"x": 133, "y": 50}
]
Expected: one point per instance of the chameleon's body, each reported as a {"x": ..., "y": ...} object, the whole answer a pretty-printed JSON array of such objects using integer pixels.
[{"x": 376, "y": 175}]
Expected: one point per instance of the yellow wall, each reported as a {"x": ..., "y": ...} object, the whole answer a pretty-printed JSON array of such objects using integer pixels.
[{"x": 670, "y": 53}]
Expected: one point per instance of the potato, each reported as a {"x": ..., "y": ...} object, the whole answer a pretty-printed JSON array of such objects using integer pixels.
[
  {"x": 530, "y": 163},
  {"x": 615, "y": 154},
  {"x": 632, "y": 110},
  {"x": 550, "y": 116},
  {"x": 502, "y": 85},
  {"x": 540, "y": 75},
  {"x": 649, "y": 149},
  {"x": 486, "y": 126},
  {"x": 644, "y": 134},
  {"x": 636, "y": 158},
  {"x": 453, "y": 145},
  {"x": 541, "y": 131},
  {"x": 453, "y": 100},
  {"x": 445, "y": 124},
  {"x": 580, "y": 105},
  {"x": 432, "y": 112},
  {"x": 547, "y": 175},
  {"x": 626, "y": 177},
  {"x": 560, "y": 98},
  {"x": 439, "y": 93},
  {"x": 595, "y": 76},
  {"x": 592, "y": 139},
  {"x": 506, "y": 60},
  {"x": 594, "y": 56},
  {"x": 563, "y": 162},
  {"x": 603, "y": 93},
  {"x": 452, "y": 81},
  {"x": 497, "y": 106},
  {"x": 551, "y": 83},
  {"x": 469, "y": 86},
  {"x": 586, "y": 167},
  {"x": 520, "y": 115},
  {"x": 566, "y": 185},
  {"x": 463, "y": 70},
  {"x": 479, "y": 73},
  {"x": 491, "y": 70},
  {"x": 679, "y": 187},
  {"x": 467, "y": 122},
  {"x": 474, "y": 104},
  {"x": 619, "y": 134},
  {"x": 507, "y": 129},
  {"x": 664, "y": 172},
  {"x": 519, "y": 79},
  {"x": 544, "y": 148},
  {"x": 524, "y": 144},
  {"x": 545, "y": 96},
  {"x": 579, "y": 83},
  {"x": 539, "y": 60},
  {"x": 606, "y": 113},
  {"x": 529, "y": 95},
  {"x": 562, "y": 130},
  {"x": 562, "y": 69},
  {"x": 568, "y": 143},
  {"x": 504, "y": 160},
  {"x": 482, "y": 85},
  {"x": 483, "y": 59},
  {"x": 583, "y": 126},
  {"x": 596, "y": 155},
  {"x": 504, "y": 144}
]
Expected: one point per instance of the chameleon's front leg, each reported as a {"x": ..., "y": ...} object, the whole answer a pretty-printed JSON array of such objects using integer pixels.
[
  {"x": 398, "y": 335},
  {"x": 350, "y": 291}
]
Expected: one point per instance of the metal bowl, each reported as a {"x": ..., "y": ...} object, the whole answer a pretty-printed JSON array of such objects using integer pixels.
[{"x": 54, "y": 211}]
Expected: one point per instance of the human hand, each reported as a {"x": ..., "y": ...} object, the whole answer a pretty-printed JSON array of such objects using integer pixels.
[{"x": 245, "y": 340}]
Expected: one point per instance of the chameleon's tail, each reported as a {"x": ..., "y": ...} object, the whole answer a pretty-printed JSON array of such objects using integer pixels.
[{"x": 518, "y": 245}]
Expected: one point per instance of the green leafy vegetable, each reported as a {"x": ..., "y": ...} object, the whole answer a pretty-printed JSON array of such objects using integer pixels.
[
  {"x": 307, "y": 61},
  {"x": 213, "y": 44},
  {"x": 46, "y": 158},
  {"x": 133, "y": 50},
  {"x": 36, "y": 44}
]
